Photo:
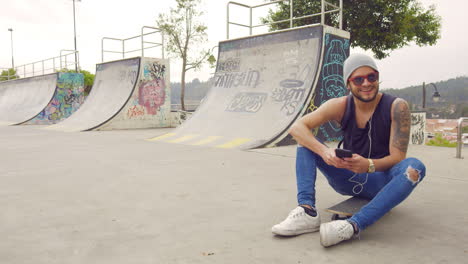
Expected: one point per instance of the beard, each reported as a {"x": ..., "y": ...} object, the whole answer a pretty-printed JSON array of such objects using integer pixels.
[{"x": 364, "y": 100}]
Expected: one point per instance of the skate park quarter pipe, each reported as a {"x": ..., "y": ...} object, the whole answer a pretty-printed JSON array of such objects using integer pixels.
[
  {"x": 127, "y": 94},
  {"x": 261, "y": 86}
]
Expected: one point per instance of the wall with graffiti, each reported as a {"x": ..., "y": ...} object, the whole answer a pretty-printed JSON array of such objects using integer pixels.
[
  {"x": 68, "y": 97},
  {"x": 418, "y": 128},
  {"x": 331, "y": 84},
  {"x": 150, "y": 104},
  {"x": 260, "y": 87},
  {"x": 262, "y": 82}
]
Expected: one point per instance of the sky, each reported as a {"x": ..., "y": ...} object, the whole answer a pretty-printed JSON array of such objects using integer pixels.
[{"x": 42, "y": 28}]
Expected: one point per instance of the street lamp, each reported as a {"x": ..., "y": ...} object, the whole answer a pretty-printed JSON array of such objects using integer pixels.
[
  {"x": 74, "y": 30},
  {"x": 12, "y": 60},
  {"x": 435, "y": 95}
]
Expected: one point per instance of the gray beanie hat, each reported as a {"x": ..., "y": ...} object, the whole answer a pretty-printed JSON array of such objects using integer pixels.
[{"x": 355, "y": 61}]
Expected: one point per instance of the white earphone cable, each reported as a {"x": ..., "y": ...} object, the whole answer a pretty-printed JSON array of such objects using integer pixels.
[{"x": 359, "y": 187}]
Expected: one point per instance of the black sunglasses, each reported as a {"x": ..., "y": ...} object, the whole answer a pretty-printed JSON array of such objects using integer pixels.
[{"x": 371, "y": 77}]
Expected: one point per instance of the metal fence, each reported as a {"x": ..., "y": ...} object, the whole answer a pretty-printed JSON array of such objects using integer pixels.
[
  {"x": 325, "y": 9},
  {"x": 123, "y": 51},
  {"x": 50, "y": 65},
  {"x": 460, "y": 142}
]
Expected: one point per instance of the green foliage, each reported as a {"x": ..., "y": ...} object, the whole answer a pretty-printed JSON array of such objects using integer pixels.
[
  {"x": 9, "y": 74},
  {"x": 184, "y": 33},
  {"x": 377, "y": 25},
  {"x": 439, "y": 141},
  {"x": 212, "y": 61},
  {"x": 88, "y": 79},
  {"x": 465, "y": 129}
]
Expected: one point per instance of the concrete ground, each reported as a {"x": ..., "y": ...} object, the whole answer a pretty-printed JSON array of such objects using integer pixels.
[{"x": 112, "y": 197}]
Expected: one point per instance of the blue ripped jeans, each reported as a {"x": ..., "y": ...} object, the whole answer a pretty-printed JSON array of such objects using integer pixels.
[{"x": 385, "y": 189}]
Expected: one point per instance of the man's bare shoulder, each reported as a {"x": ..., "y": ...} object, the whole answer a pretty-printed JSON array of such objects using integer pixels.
[
  {"x": 337, "y": 102},
  {"x": 336, "y": 105},
  {"x": 399, "y": 100},
  {"x": 400, "y": 106},
  {"x": 334, "y": 108}
]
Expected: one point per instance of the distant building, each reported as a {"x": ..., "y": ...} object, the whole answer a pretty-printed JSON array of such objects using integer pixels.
[
  {"x": 446, "y": 127},
  {"x": 441, "y": 126}
]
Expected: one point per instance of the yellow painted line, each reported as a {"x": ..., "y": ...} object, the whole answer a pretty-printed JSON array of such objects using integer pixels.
[
  {"x": 205, "y": 141},
  {"x": 182, "y": 139},
  {"x": 234, "y": 143},
  {"x": 161, "y": 137}
]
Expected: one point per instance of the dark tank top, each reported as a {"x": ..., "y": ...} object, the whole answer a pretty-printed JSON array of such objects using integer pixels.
[{"x": 378, "y": 128}]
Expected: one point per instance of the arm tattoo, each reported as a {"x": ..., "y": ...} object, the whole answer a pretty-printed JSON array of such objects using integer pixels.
[{"x": 402, "y": 125}]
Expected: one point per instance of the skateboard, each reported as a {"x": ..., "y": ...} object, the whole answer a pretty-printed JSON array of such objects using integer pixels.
[{"x": 347, "y": 208}]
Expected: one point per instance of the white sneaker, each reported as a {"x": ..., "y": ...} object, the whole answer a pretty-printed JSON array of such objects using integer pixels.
[
  {"x": 297, "y": 222},
  {"x": 334, "y": 232}
]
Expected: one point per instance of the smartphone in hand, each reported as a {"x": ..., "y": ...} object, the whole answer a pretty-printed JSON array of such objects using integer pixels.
[{"x": 343, "y": 153}]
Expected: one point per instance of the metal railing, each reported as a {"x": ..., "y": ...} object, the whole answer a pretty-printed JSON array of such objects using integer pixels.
[
  {"x": 123, "y": 52},
  {"x": 49, "y": 65},
  {"x": 324, "y": 6},
  {"x": 459, "y": 136},
  {"x": 76, "y": 61}
]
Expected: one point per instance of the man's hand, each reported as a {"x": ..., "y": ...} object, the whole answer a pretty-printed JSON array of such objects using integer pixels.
[
  {"x": 329, "y": 156},
  {"x": 356, "y": 163}
]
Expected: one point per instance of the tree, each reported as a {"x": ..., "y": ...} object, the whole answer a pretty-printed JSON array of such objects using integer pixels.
[
  {"x": 9, "y": 74},
  {"x": 183, "y": 32},
  {"x": 377, "y": 25}
]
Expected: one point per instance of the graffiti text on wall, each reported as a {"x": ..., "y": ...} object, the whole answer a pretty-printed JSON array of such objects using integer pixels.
[
  {"x": 135, "y": 111},
  {"x": 128, "y": 75},
  {"x": 249, "y": 79},
  {"x": 157, "y": 70},
  {"x": 247, "y": 102},
  {"x": 290, "y": 94},
  {"x": 418, "y": 125},
  {"x": 229, "y": 65}
]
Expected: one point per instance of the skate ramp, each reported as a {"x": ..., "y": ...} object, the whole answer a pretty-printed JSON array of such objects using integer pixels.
[
  {"x": 261, "y": 86},
  {"x": 23, "y": 99},
  {"x": 68, "y": 97},
  {"x": 127, "y": 94}
]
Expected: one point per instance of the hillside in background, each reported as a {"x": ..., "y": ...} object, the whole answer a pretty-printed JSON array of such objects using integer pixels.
[
  {"x": 453, "y": 101},
  {"x": 195, "y": 91}
]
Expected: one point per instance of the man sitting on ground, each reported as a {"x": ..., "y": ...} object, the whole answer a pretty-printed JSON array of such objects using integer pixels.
[{"x": 376, "y": 129}]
